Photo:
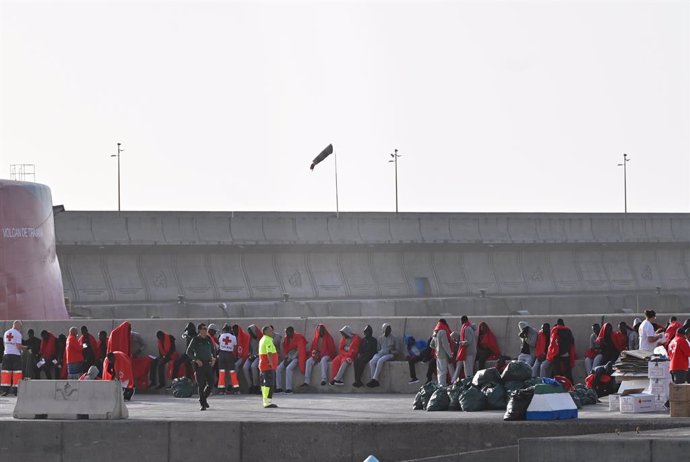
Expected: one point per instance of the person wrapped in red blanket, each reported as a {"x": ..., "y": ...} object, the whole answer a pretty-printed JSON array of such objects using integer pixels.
[{"x": 561, "y": 352}]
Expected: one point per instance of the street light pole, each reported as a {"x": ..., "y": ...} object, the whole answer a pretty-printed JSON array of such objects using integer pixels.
[
  {"x": 119, "y": 150},
  {"x": 625, "y": 181},
  {"x": 395, "y": 160}
]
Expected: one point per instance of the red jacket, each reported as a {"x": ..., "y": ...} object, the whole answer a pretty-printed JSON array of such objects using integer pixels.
[
  {"x": 243, "y": 340},
  {"x": 49, "y": 348},
  {"x": 671, "y": 332},
  {"x": 120, "y": 339},
  {"x": 488, "y": 340},
  {"x": 327, "y": 344},
  {"x": 540, "y": 348},
  {"x": 462, "y": 350},
  {"x": 165, "y": 345},
  {"x": 620, "y": 340},
  {"x": 679, "y": 352},
  {"x": 354, "y": 347},
  {"x": 73, "y": 353},
  {"x": 123, "y": 370},
  {"x": 299, "y": 343},
  {"x": 444, "y": 327},
  {"x": 554, "y": 348}
]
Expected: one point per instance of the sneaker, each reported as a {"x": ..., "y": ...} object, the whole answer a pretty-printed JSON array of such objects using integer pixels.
[
  {"x": 279, "y": 390},
  {"x": 323, "y": 382},
  {"x": 357, "y": 384},
  {"x": 413, "y": 381},
  {"x": 332, "y": 382},
  {"x": 271, "y": 406},
  {"x": 305, "y": 385},
  {"x": 373, "y": 383},
  {"x": 202, "y": 408},
  {"x": 338, "y": 383},
  {"x": 288, "y": 391}
]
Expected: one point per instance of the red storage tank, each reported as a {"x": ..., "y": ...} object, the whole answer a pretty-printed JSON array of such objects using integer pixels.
[{"x": 30, "y": 280}]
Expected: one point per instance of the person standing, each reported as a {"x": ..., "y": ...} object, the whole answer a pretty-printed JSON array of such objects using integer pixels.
[
  {"x": 200, "y": 352},
  {"x": 74, "y": 355},
  {"x": 227, "y": 375},
  {"x": 11, "y": 361},
  {"x": 649, "y": 339},
  {"x": 440, "y": 343},
  {"x": 48, "y": 354},
  {"x": 33, "y": 347},
  {"x": 467, "y": 351},
  {"x": 89, "y": 348},
  {"x": 268, "y": 362},
  {"x": 541, "y": 364},
  {"x": 679, "y": 353},
  {"x": 528, "y": 342}
]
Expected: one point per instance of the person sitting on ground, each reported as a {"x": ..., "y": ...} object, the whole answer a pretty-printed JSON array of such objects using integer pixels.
[
  {"x": 561, "y": 352},
  {"x": 48, "y": 354},
  {"x": 227, "y": 374},
  {"x": 649, "y": 338},
  {"x": 91, "y": 374},
  {"x": 414, "y": 353},
  {"x": 322, "y": 352},
  {"x": 367, "y": 349},
  {"x": 166, "y": 352},
  {"x": 592, "y": 348},
  {"x": 387, "y": 349},
  {"x": 188, "y": 334},
  {"x": 670, "y": 331},
  {"x": 541, "y": 364},
  {"x": 601, "y": 381},
  {"x": 607, "y": 347},
  {"x": 440, "y": 343},
  {"x": 295, "y": 350},
  {"x": 528, "y": 343},
  {"x": 467, "y": 351},
  {"x": 251, "y": 365},
  {"x": 487, "y": 346},
  {"x": 118, "y": 366},
  {"x": 74, "y": 354},
  {"x": 347, "y": 352}
]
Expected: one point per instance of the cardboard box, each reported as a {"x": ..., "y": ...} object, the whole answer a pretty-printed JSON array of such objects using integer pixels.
[
  {"x": 615, "y": 402},
  {"x": 680, "y": 408},
  {"x": 658, "y": 369},
  {"x": 637, "y": 403},
  {"x": 679, "y": 392},
  {"x": 659, "y": 401}
]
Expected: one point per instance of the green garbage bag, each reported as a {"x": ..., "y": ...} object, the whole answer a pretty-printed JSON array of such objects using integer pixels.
[
  {"x": 454, "y": 392},
  {"x": 439, "y": 401},
  {"x": 518, "y": 403},
  {"x": 495, "y": 396},
  {"x": 576, "y": 399},
  {"x": 486, "y": 376},
  {"x": 516, "y": 370},
  {"x": 472, "y": 400},
  {"x": 422, "y": 397},
  {"x": 587, "y": 395},
  {"x": 546, "y": 389},
  {"x": 182, "y": 388}
]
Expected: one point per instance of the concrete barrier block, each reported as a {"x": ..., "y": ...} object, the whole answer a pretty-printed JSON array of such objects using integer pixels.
[
  {"x": 109, "y": 228},
  {"x": 606, "y": 229},
  {"x": 73, "y": 228},
  {"x": 680, "y": 227},
  {"x": 294, "y": 275},
  {"x": 374, "y": 230},
  {"x": 508, "y": 271},
  {"x": 618, "y": 271},
  {"x": 419, "y": 271},
  {"x": 179, "y": 228},
  {"x": 344, "y": 230},
  {"x": 247, "y": 229},
  {"x": 494, "y": 229},
  {"x": 451, "y": 278},
  {"x": 659, "y": 229},
  {"x": 123, "y": 273},
  {"x": 551, "y": 229},
  {"x": 522, "y": 229},
  {"x": 579, "y": 229},
  {"x": 263, "y": 283},
  {"x": 465, "y": 229},
  {"x": 228, "y": 274},
  {"x": 192, "y": 271},
  {"x": 405, "y": 229},
  {"x": 312, "y": 230},
  {"x": 324, "y": 268},
  {"x": 87, "y": 274},
  {"x": 478, "y": 268},
  {"x": 645, "y": 269},
  {"x": 634, "y": 229},
  {"x": 145, "y": 228},
  {"x": 674, "y": 265},
  {"x": 536, "y": 268},
  {"x": 356, "y": 269},
  {"x": 437, "y": 229},
  {"x": 159, "y": 275},
  {"x": 566, "y": 275},
  {"x": 280, "y": 229},
  {"x": 591, "y": 268},
  {"x": 70, "y": 400},
  {"x": 388, "y": 274},
  {"x": 213, "y": 228}
]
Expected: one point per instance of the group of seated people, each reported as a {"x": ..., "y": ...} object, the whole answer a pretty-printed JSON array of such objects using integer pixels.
[{"x": 449, "y": 354}]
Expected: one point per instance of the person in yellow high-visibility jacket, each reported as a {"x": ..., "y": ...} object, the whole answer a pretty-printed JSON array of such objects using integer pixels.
[{"x": 268, "y": 362}]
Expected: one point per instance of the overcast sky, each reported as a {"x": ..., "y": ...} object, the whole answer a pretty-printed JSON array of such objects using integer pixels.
[{"x": 495, "y": 106}]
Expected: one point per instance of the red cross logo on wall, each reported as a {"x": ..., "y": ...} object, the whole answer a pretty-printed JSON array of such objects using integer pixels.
[
  {"x": 10, "y": 337},
  {"x": 226, "y": 341}
]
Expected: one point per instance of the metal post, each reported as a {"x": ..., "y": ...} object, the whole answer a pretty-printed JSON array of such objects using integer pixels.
[
  {"x": 337, "y": 207},
  {"x": 625, "y": 182},
  {"x": 119, "y": 150},
  {"x": 395, "y": 160}
]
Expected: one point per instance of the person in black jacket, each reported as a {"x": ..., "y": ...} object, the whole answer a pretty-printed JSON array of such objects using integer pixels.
[
  {"x": 188, "y": 334},
  {"x": 367, "y": 350}
]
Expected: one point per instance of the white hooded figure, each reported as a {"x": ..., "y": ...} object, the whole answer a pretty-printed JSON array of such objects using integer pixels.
[{"x": 528, "y": 341}]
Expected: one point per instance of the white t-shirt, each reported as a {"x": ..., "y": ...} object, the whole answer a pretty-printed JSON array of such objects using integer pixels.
[
  {"x": 646, "y": 330},
  {"x": 227, "y": 342},
  {"x": 11, "y": 339}
]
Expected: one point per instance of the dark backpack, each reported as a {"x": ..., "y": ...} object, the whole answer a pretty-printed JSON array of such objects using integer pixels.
[{"x": 182, "y": 388}]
